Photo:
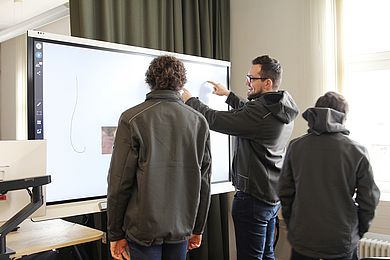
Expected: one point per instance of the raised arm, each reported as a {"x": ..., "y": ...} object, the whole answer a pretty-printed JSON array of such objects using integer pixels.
[{"x": 219, "y": 89}]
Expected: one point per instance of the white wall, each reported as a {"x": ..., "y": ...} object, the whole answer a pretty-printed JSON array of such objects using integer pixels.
[
  {"x": 10, "y": 87},
  {"x": 287, "y": 31},
  {"x": 13, "y": 81},
  {"x": 61, "y": 26}
]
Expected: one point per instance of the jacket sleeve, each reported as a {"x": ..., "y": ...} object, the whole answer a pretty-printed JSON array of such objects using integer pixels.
[
  {"x": 204, "y": 204},
  {"x": 367, "y": 195},
  {"x": 121, "y": 178},
  {"x": 286, "y": 188},
  {"x": 234, "y": 101},
  {"x": 248, "y": 121}
]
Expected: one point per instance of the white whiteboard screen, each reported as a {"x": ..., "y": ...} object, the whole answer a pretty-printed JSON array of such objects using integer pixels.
[{"x": 85, "y": 89}]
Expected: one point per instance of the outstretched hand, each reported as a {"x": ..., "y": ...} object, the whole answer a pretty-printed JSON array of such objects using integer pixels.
[{"x": 219, "y": 89}]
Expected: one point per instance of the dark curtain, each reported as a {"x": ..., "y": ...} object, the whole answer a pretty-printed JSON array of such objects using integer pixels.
[{"x": 194, "y": 27}]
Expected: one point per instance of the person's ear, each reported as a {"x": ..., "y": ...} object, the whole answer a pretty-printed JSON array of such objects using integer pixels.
[{"x": 268, "y": 84}]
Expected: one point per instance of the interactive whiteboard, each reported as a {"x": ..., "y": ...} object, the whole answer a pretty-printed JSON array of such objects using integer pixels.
[{"x": 78, "y": 88}]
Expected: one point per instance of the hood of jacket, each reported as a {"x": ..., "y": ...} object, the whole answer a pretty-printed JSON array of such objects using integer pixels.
[
  {"x": 280, "y": 104},
  {"x": 325, "y": 120}
]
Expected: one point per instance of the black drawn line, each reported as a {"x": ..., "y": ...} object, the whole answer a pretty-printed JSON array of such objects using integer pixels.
[{"x": 71, "y": 120}]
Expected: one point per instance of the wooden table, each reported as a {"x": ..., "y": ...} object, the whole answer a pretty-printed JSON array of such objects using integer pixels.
[{"x": 35, "y": 237}]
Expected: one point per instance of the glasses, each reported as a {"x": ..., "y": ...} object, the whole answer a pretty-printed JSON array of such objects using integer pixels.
[{"x": 249, "y": 78}]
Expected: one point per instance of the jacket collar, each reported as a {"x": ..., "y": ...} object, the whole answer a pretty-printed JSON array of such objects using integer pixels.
[
  {"x": 255, "y": 96},
  {"x": 164, "y": 94},
  {"x": 280, "y": 104}
]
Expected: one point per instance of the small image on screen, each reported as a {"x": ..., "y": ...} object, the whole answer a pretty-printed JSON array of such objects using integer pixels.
[{"x": 108, "y": 136}]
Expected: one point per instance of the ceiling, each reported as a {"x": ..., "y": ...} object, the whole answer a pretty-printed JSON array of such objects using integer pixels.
[{"x": 17, "y": 14}]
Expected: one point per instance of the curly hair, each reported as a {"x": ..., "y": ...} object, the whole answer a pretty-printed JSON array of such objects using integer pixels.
[{"x": 166, "y": 72}]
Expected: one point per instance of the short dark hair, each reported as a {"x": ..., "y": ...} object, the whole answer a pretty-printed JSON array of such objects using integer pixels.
[
  {"x": 166, "y": 72},
  {"x": 333, "y": 100},
  {"x": 270, "y": 68}
]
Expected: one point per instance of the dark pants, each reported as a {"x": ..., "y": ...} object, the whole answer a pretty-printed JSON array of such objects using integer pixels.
[
  {"x": 297, "y": 256},
  {"x": 254, "y": 225},
  {"x": 158, "y": 252}
]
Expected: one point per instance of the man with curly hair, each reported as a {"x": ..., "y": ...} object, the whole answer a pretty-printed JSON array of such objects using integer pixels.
[{"x": 159, "y": 177}]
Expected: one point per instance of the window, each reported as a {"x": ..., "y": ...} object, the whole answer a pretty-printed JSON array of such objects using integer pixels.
[{"x": 366, "y": 81}]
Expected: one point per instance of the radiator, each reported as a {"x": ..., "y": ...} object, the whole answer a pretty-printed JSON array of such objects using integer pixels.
[{"x": 374, "y": 245}]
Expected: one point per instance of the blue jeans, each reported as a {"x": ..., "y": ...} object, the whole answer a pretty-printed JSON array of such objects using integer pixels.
[
  {"x": 158, "y": 252},
  {"x": 254, "y": 225}
]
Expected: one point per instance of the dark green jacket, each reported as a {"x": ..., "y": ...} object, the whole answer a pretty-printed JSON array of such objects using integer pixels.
[
  {"x": 159, "y": 177},
  {"x": 262, "y": 127}
]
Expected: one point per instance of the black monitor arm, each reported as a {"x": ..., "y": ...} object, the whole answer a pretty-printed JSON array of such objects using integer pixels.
[{"x": 36, "y": 184}]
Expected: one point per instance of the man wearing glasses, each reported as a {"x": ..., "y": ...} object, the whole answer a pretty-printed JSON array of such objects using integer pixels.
[{"x": 262, "y": 127}]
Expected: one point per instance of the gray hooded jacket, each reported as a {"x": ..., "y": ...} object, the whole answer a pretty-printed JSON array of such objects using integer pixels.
[
  {"x": 262, "y": 127},
  {"x": 327, "y": 189}
]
